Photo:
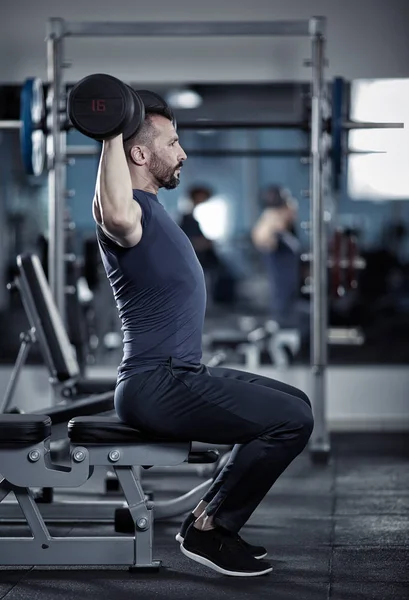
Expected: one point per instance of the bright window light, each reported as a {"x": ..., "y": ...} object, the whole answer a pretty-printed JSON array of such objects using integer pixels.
[
  {"x": 379, "y": 176},
  {"x": 213, "y": 217}
]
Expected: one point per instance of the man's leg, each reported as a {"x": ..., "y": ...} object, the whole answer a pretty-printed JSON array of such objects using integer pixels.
[
  {"x": 238, "y": 491},
  {"x": 271, "y": 427},
  {"x": 270, "y": 421},
  {"x": 256, "y": 380}
]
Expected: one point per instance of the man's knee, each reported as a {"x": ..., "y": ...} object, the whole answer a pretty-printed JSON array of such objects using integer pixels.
[
  {"x": 297, "y": 429},
  {"x": 302, "y": 425},
  {"x": 305, "y": 398},
  {"x": 307, "y": 424}
]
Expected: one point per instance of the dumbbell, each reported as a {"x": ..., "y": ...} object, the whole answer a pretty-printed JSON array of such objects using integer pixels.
[{"x": 101, "y": 106}]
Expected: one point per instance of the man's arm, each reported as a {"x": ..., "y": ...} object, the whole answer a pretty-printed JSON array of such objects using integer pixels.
[
  {"x": 114, "y": 208},
  {"x": 264, "y": 232}
]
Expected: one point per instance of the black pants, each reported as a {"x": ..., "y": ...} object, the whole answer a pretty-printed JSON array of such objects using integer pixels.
[{"x": 268, "y": 422}]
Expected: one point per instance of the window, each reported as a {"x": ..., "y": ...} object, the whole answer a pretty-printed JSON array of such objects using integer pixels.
[{"x": 379, "y": 176}]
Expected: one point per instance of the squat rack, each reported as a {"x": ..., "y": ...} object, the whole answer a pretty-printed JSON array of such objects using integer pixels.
[{"x": 314, "y": 29}]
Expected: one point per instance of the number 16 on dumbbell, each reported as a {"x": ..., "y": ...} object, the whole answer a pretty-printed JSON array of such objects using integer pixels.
[
  {"x": 101, "y": 106},
  {"x": 98, "y": 105}
]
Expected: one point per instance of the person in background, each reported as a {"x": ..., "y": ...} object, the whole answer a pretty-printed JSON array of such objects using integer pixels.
[
  {"x": 221, "y": 282},
  {"x": 274, "y": 235},
  {"x": 203, "y": 247}
]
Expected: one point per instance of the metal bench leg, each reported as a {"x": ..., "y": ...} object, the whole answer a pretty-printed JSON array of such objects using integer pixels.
[
  {"x": 5, "y": 489},
  {"x": 142, "y": 516},
  {"x": 31, "y": 512}
]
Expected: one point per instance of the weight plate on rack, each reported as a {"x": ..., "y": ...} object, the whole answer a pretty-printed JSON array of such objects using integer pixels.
[{"x": 32, "y": 137}]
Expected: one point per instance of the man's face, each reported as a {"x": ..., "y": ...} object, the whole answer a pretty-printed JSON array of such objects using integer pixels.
[{"x": 166, "y": 155}]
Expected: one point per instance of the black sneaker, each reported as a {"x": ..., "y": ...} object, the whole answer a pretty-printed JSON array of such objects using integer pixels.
[
  {"x": 256, "y": 551},
  {"x": 222, "y": 552}
]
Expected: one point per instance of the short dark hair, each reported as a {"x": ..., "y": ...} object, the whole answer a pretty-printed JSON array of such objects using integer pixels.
[
  {"x": 194, "y": 190},
  {"x": 144, "y": 136},
  {"x": 275, "y": 196}
]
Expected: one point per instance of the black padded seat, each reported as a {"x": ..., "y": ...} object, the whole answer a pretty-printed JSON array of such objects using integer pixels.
[
  {"x": 24, "y": 430},
  {"x": 109, "y": 430},
  {"x": 62, "y": 413}
]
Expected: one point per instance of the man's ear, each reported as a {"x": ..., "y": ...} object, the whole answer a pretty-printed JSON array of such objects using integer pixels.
[{"x": 139, "y": 155}]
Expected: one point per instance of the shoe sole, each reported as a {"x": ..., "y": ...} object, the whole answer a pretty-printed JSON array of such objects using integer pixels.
[
  {"x": 208, "y": 563},
  {"x": 181, "y": 539}
]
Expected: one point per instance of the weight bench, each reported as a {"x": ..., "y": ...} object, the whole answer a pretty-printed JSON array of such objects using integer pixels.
[
  {"x": 81, "y": 397},
  {"x": 25, "y": 463},
  {"x": 47, "y": 329}
]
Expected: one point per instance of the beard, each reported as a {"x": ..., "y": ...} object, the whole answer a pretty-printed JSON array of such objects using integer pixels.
[{"x": 164, "y": 174}]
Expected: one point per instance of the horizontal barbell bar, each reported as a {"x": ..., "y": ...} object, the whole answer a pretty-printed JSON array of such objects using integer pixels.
[
  {"x": 303, "y": 154},
  {"x": 209, "y": 124},
  {"x": 346, "y": 125}
]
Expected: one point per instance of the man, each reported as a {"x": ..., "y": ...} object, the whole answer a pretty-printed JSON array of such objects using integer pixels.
[
  {"x": 162, "y": 386},
  {"x": 221, "y": 283},
  {"x": 274, "y": 236}
]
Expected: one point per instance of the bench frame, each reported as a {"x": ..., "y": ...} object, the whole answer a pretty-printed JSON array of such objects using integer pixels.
[{"x": 30, "y": 466}]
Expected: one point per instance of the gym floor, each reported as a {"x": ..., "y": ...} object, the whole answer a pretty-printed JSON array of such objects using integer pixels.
[{"x": 336, "y": 532}]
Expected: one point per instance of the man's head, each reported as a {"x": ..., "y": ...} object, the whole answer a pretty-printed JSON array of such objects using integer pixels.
[
  {"x": 280, "y": 199},
  {"x": 154, "y": 154},
  {"x": 199, "y": 193}
]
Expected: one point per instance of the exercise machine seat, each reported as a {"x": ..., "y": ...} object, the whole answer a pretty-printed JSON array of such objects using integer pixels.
[
  {"x": 110, "y": 430},
  {"x": 20, "y": 430}
]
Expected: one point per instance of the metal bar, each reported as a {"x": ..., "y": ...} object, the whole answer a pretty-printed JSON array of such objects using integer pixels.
[
  {"x": 10, "y": 124},
  {"x": 248, "y": 153},
  {"x": 5, "y": 489},
  {"x": 74, "y": 551},
  {"x": 73, "y": 151},
  {"x": 15, "y": 375},
  {"x": 371, "y": 125},
  {"x": 94, "y": 510},
  {"x": 209, "y": 124},
  {"x": 32, "y": 514},
  {"x": 303, "y": 153},
  {"x": 186, "y": 29},
  {"x": 319, "y": 316},
  {"x": 57, "y": 166}
]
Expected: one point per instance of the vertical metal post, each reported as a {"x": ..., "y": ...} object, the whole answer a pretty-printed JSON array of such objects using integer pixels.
[
  {"x": 56, "y": 165},
  {"x": 319, "y": 313}
]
